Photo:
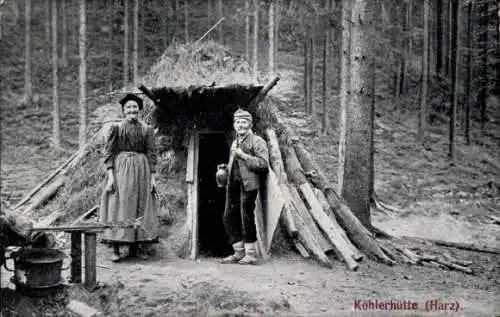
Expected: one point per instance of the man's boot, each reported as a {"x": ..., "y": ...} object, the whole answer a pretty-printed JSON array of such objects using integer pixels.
[
  {"x": 239, "y": 253},
  {"x": 250, "y": 254}
]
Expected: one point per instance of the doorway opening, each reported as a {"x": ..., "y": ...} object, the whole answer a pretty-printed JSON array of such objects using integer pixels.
[{"x": 212, "y": 238}]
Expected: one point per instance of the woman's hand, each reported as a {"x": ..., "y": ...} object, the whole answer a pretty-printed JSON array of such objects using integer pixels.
[
  {"x": 153, "y": 183},
  {"x": 110, "y": 184}
]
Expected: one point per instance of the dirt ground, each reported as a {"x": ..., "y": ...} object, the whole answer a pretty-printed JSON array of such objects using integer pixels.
[{"x": 452, "y": 206}]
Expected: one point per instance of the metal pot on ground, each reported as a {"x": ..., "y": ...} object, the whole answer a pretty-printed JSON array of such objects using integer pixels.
[{"x": 37, "y": 269}]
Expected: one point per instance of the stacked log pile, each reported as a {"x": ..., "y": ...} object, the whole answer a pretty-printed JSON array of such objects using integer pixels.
[{"x": 318, "y": 220}]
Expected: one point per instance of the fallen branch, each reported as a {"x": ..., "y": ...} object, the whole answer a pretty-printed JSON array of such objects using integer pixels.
[
  {"x": 496, "y": 220},
  {"x": 450, "y": 258},
  {"x": 454, "y": 266},
  {"x": 459, "y": 245}
]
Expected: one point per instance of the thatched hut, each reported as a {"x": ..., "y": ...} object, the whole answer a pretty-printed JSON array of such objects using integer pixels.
[{"x": 198, "y": 120}]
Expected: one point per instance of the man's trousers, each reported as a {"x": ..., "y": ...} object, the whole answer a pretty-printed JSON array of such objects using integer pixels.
[{"x": 239, "y": 219}]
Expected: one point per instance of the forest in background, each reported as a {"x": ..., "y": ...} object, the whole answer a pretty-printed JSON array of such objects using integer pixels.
[{"x": 59, "y": 64}]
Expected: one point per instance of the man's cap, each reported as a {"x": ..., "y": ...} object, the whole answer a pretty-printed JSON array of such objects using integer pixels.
[
  {"x": 242, "y": 114},
  {"x": 132, "y": 97}
]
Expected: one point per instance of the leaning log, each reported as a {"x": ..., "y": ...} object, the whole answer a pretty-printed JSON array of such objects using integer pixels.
[
  {"x": 330, "y": 228},
  {"x": 275, "y": 157},
  {"x": 309, "y": 240},
  {"x": 262, "y": 94},
  {"x": 357, "y": 255},
  {"x": 45, "y": 194},
  {"x": 38, "y": 195},
  {"x": 307, "y": 222},
  {"x": 276, "y": 162},
  {"x": 288, "y": 221},
  {"x": 46, "y": 181},
  {"x": 301, "y": 249},
  {"x": 357, "y": 233}
]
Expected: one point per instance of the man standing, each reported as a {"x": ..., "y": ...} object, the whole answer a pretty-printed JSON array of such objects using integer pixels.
[{"x": 248, "y": 163}]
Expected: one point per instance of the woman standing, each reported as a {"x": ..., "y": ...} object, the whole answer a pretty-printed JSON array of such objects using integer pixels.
[{"x": 130, "y": 159}]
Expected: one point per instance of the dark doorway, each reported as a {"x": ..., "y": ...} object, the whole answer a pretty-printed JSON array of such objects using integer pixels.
[{"x": 212, "y": 238}]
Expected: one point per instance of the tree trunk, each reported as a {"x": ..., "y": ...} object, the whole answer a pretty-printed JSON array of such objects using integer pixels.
[
  {"x": 372, "y": 85},
  {"x": 125, "y": 42},
  {"x": 135, "y": 44},
  {"x": 312, "y": 68},
  {"x": 47, "y": 22},
  {"x": 110, "y": 44},
  {"x": 338, "y": 49},
  {"x": 167, "y": 15},
  {"x": 468, "y": 85},
  {"x": 356, "y": 167},
  {"x": 271, "y": 36},
  {"x": 455, "y": 9},
  {"x": 177, "y": 19},
  {"x": 406, "y": 48},
  {"x": 247, "y": 30},
  {"x": 410, "y": 31},
  {"x": 82, "y": 81},
  {"x": 326, "y": 49},
  {"x": 306, "y": 72},
  {"x": 28, "y": 88},
  {"x": 220, "y": 15},
  {"x": 345, "y": 85},
  {"x": 64, "y": 35},
  {"x": 277, "y": 11},
  {"x": 444, "y": 39},
  {"x": 2, "y": 2},
  {"x": 439, "y": 37},
  {"x": 255, "y": 62},
  {"x": 422, "y": 118},
  {"x": 56, "y": 128},
  {"x": 449, "y": 66},
  {"x": 483, "y": 40},
  {"x": 186, "y": 21},
  {"x": 497, "y": 88},
  {"x": 209, "y": 12}
]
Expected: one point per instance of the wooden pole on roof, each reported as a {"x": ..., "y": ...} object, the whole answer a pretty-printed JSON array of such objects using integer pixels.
[{"x": 262, "y": 94}]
